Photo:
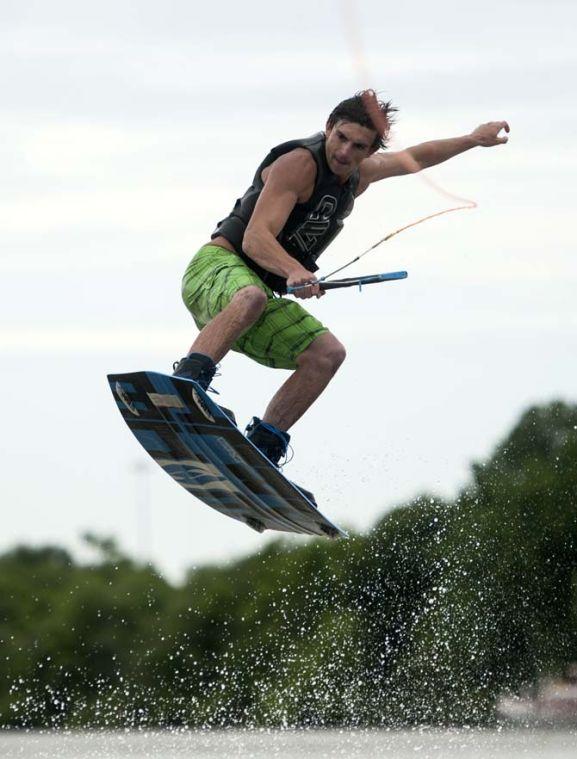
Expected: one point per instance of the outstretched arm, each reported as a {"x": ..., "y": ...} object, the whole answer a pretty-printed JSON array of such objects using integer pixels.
[{"x": 419, "y": 157}]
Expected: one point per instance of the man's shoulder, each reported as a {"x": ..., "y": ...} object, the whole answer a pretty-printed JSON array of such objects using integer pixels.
[
  {"x": 297, "y": 166},
  {"x": 299, "y": 158},
  {"x": 377, "y": 166}
]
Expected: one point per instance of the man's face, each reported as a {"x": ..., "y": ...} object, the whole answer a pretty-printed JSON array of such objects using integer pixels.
[{"x": 347, "y": 145}]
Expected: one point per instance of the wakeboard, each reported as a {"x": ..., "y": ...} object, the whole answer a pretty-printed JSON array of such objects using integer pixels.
[{"x": 198, "y": 445}]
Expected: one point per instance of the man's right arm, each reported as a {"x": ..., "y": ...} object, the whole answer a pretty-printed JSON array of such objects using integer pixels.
[{"x": 288, "y": 180}]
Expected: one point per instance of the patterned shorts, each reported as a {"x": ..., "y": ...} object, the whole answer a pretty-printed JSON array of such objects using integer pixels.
[{"x": 284, "y": 329}]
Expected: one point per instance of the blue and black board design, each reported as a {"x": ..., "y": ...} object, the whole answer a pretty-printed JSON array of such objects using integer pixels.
[{"x": 196, "y": 443}]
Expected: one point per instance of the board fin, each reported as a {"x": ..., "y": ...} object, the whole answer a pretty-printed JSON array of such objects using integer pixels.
[{"x": 256, "y": 524}]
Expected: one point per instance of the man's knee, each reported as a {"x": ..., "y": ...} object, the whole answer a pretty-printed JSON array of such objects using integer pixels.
[
  {"x": 326, "y": 352},
  {"x": 335, "y": 353},
  {"x": 252, "y": 300}
]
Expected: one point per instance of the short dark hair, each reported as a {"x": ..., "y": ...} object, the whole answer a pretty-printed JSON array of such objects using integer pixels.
[{"x": 355, "y": 110}]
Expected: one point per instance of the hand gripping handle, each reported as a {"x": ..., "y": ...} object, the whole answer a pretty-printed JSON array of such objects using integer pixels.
[{"x": 368, "y": 279}]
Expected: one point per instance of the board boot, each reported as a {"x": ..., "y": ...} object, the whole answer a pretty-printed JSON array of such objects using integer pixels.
[
  {"x": 273, "y": 443},
  {"x": 201, "y": 369}
]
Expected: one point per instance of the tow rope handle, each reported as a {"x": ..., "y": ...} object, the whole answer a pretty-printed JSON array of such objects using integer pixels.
[{"x": 368, "y": 279}]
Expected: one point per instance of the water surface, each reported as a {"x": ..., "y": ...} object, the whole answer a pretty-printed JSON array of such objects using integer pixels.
[{"x": 297, "y": 744}]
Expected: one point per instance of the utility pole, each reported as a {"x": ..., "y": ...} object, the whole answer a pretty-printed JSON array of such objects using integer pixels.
[{"x": 141, "y": 470}]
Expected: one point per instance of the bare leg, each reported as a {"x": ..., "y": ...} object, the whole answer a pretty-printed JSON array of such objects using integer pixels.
[
  {"x": 315, "y": 368},
  {"x": 218, "y": 336}
]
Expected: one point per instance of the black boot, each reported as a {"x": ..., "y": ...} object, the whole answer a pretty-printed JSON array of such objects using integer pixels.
[
  {"x": 202, "y": 369},
  {"x": 268, "y": 439},
  {"x": 274, "y": 444},
  {"x": 197, "y": 367}
]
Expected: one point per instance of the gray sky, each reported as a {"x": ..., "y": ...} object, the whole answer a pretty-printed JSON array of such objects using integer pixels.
[{"x": 127, "y": 130}]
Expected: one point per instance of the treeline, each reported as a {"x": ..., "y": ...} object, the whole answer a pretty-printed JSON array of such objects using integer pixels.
[{"x": 425, "y": 619}]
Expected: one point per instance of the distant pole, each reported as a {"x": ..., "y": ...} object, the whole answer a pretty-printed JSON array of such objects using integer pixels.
[{"x": 143, "y": 511}]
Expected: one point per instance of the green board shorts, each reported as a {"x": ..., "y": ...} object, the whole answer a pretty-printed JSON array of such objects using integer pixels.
[{"x": 284, "y": 329}]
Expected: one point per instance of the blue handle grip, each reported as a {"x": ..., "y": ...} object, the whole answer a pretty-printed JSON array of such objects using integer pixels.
[{"x": 368, "y": 279}]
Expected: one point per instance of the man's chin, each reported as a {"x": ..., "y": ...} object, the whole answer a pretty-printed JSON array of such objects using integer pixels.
[{"x": 340, "y": 169}]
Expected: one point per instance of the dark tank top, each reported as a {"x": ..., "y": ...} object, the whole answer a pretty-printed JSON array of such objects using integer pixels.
[{"x": 310, "y": 227}]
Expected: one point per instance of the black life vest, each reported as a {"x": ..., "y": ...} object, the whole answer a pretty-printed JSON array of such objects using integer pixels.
[{"x": 310, "y": 227}]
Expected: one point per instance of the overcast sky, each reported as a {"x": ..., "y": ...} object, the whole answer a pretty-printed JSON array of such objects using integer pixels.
[{"x": 127, "y": 130}]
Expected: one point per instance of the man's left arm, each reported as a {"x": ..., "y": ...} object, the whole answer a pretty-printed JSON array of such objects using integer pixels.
[{"x": 419, "y": 157}]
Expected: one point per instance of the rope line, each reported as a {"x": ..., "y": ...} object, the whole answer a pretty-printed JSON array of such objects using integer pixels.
[
  {"x": 396, "y": 232},
  {"x": 370, "y": 100}
]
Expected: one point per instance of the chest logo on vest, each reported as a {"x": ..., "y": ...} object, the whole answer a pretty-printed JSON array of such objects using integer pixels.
[{"x": 316, "y": 224}]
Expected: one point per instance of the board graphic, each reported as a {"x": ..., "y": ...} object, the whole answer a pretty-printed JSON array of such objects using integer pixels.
[{"x": 196, "y": 443}]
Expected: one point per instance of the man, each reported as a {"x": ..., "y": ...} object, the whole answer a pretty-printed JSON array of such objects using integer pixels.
[{"x": 271, "y": 240}]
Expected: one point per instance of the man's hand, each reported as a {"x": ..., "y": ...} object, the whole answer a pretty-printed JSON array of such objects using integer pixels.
[
  {"x": 487, "y": 134},
  {"x": 306, "y": 284}
]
